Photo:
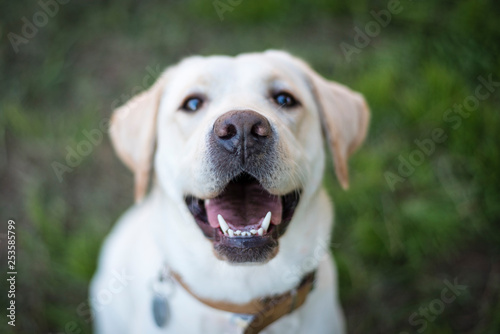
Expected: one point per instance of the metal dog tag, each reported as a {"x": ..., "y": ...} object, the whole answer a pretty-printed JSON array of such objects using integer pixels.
[
  {"x": 161, "y": 310},
  {"x": 163, "y": 288}
]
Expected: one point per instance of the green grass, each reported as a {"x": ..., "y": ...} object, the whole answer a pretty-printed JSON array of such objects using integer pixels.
[{"x": 394, "y": 248}]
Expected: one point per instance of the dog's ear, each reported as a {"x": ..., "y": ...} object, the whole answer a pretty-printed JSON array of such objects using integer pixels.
[
  {"x": 344, "y": 115},
  {"x": 133, "y": 134}
]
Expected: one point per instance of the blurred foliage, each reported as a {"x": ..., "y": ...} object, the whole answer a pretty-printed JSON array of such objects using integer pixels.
[{"x": 394, "y": 248}]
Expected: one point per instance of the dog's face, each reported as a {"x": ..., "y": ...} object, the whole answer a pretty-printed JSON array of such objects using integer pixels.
[{"x": 239, "y": 143}]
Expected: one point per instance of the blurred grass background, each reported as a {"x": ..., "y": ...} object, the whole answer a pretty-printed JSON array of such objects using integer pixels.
[{"x": 394, "y": 249}]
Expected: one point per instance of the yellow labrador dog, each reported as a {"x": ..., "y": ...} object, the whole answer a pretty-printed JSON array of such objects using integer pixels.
[{"x": 233, "y": 236}]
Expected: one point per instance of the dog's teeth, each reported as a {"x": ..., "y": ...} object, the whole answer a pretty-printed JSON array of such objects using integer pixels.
[
  {"x": 253, "y": 232},
  {"x": 207, "y": 201},
  {"x": 237, "y": 232},
  {"x": 245, "y": 234},
  {"x": 260, "y": 231},
  {"x": 267, "y": 221},
  {"x": 230, "y": 232},
  {"x": 223, "y": 225}
]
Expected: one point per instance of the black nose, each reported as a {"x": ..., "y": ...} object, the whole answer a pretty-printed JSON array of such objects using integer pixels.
[{"x": 242, "y": 132}]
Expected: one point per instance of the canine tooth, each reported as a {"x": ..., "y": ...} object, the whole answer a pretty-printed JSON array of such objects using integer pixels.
[
  {"x": 260, "y": 231},
  {"x": 230, "y": 232},
  {"x": 223, "y": 224},
  {"x": 253, "y": 231},
  {"x": 267, "y": 221},
  {"x": 237, "y": 232},
  {"x": 207, "y": 201}
]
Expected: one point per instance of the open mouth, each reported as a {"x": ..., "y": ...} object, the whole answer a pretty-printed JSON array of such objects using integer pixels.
[{"x": 244, "y": 221}]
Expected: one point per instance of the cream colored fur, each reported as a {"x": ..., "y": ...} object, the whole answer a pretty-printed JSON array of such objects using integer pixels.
[{"x": 160, "y": 230}]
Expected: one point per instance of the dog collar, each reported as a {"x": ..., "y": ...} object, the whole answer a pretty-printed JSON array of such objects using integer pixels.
[{"x": 258, "y": 313}]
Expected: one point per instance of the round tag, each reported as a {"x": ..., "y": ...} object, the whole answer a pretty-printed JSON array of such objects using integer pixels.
[
  {"x": 161, "y": 310},
  {"x": 163, "y": 288}
]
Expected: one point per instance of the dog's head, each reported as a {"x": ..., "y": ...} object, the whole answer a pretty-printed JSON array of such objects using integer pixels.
[{"x": 238, "y": 141}]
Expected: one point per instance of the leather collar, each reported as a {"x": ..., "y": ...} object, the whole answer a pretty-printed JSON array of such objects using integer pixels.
[{"x": 260, "y": 312}]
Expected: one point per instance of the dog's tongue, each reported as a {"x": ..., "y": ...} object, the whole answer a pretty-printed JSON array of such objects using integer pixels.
[{"x": 243, "y": 205}]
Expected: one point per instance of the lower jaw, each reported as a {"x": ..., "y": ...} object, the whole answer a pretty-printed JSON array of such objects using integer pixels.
[
  {"x": 256, "y": 252},
  {"x": 246, "y": 250}
]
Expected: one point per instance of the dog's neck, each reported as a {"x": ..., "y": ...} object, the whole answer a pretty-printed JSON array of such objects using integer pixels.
[
  {"x": 260, "y": 312},
  {"x": 190, "y": 254}
]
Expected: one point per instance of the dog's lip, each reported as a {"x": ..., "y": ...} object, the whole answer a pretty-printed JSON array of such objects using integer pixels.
[{"x": 282, "y": 207}]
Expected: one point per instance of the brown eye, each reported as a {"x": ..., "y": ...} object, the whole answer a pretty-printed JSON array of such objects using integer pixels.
[
  {"x": 284, "y": 100},
  {"x": 192, "y": 104}
]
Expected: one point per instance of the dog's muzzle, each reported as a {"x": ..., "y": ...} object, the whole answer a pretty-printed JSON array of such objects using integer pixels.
[{"x": 244, "y": 220}]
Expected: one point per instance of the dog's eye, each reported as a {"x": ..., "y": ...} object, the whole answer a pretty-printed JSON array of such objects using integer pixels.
[
  {"x": 192, "y": 104},
  {"x": 285, "y": 100}
]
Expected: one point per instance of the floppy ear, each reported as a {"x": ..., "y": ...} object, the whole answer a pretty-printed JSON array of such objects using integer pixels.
[
  {"x": 133, "y": 134},
  {"x": 344, "y": 114},
  {"x": 345, "y": 117}
]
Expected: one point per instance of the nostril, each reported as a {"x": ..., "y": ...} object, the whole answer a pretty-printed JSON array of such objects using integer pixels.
[
  {"x": 226, "y": 132},
  {"x": 260, "y": 129}
]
